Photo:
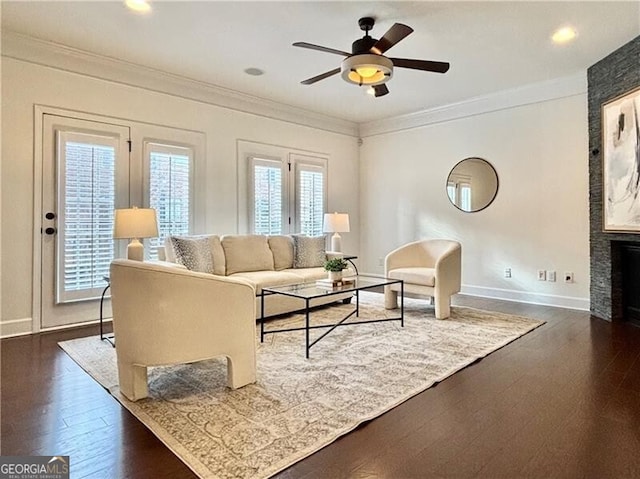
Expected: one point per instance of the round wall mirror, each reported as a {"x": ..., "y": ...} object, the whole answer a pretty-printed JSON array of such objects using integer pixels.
[{"x": 472, "y": 184}]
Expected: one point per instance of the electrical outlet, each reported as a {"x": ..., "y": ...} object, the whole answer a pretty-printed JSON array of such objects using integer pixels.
[
  {"x": 542, "y": 275},
  {"x": 568, "y": 277},
  {"x": 551, "y": 276},
  {"x": 507, "y": 272}
]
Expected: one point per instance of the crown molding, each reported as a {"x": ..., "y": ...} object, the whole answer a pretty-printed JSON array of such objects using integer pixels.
[
  {"x": 54, "y": 55},
  {"x": 524, "y": 95}
]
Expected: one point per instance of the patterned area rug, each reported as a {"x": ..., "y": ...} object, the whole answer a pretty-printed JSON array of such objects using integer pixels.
[{"x": 300, "y": 405}]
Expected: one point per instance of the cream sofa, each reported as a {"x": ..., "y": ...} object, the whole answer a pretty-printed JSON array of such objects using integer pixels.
[
  {"x": 165, "y": 315},
  {"x": 260, "y": 260}
]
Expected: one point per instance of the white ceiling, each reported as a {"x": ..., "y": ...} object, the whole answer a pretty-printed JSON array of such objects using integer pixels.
[{"x": 491, "y": 46}]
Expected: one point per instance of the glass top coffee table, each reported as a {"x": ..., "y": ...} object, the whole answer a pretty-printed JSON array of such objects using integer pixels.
[{"x": 310, "y": 291}]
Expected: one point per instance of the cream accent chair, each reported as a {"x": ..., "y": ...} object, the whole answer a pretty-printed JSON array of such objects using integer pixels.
[
  {"x": 427, "y": 267},
  {"x": 164, "y": 315}
]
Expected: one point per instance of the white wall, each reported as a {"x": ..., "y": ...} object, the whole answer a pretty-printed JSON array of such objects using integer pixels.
[
  {"x": 539, "y": 219},
  {"x": 25, "y": 85}
]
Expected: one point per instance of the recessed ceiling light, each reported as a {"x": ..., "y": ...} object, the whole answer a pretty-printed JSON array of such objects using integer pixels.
[
  {"x": 564, "y": 35},
  {"x": 138, "y": 5},
  {"x": 256, "y": 72}
]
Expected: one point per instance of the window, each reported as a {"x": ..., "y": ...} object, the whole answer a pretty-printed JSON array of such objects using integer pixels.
[
  {"x": 268, "y": 190},
  {"x": 287, "y": 194},
  {"x": 170, "y": 179},
  {"x": 86, "y": 165},
  {"x": 310, "y": 201}
]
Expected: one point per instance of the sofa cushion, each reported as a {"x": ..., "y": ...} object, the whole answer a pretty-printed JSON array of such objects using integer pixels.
[
  {"x": 308, "y": 274},
  {"x": 247, "y": 253},
  {"x": 421, "y": 276},
  {"x": 219, "y": 260},
  {"x": 194, "y": 253},
  {"x": 260, "y": 279},
  {"x": 282, "y": 249},
  {"x": 309, "y": 251}
]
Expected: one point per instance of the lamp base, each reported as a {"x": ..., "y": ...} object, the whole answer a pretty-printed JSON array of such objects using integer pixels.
[
  {"x": 135, "y": 250},
  {"x": 336, "y": 243}
]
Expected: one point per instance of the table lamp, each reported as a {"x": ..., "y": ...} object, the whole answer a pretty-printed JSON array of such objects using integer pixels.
[
  {"x": 135, "y": 224},
  {"x": 336, "y": 223}
]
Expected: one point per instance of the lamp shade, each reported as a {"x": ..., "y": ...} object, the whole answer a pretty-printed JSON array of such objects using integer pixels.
[
  {"x": 336, "y": 223},
  {"x": 135, "y": 223}
]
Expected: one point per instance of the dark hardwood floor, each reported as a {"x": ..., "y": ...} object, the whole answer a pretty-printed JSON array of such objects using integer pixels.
[{"x": 561, "y": 402}]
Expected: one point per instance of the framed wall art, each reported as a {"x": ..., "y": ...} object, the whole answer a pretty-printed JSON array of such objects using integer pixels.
[{"x": 621, "y": 163}]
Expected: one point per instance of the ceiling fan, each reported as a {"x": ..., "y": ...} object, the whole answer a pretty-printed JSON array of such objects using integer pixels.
[{"x": 366, "y": 64}]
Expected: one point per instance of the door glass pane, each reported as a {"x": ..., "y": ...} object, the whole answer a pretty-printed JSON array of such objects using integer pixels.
[
  {"x": 267, "y": 199},
  {"x": 169, "y": 192},
  {"x": 311, "y": 202},
  {"x": 88, "y": 201}
]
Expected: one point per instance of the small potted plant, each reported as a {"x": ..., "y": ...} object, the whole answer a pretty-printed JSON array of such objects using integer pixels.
[{"x": 335, "y": 266}]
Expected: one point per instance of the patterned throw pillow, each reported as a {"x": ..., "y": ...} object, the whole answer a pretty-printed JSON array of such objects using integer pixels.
[
  {"x": 193, "y": 253},
  {"x": 309, "y": 251}
]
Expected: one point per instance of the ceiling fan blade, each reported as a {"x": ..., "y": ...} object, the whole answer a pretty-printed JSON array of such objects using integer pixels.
[
  {"x": 426, "y": 65},
  {"x": 311, "y": 46},
  {"x": 322, "y": 76},
  {"x": 381, "y": 90},
  {"x": 396, "y": 33}
]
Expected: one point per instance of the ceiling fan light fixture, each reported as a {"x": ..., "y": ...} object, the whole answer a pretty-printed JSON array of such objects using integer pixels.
[{"x": 367, "y": 69}]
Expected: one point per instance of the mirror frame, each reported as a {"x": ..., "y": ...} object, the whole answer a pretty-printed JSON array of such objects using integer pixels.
[{"x": 495, "y": 193}]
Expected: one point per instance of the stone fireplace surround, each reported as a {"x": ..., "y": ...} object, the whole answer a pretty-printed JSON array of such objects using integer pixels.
[{"x": 613, "y": 76}]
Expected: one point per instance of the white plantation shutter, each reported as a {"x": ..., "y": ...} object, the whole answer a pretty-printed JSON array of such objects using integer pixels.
[
  {"x": 86, "y": 202},
  {"x": 286, "y": 196},
  {"x": 267, "y": 196},
  {"x": 310, "y": 203},
  {"x": 170, "y": 191}
]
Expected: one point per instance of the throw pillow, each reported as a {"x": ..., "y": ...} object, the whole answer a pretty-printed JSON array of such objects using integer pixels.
[
  {"x": 309, "y": 251},
  {"x": 193, "y": 253}
]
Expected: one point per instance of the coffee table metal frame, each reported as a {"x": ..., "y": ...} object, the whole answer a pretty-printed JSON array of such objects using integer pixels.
[{"x": 309, "y": 291}]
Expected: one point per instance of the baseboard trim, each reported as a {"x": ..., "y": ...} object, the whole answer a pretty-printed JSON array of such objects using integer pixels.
[
  {"x": 23, "y": 327},
  {"x": 16, "y": 327},
  {"x": 568, "y": 302}
]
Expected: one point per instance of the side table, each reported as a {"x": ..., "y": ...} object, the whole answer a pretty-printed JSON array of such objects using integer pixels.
[{"x": 108, "y": 337}]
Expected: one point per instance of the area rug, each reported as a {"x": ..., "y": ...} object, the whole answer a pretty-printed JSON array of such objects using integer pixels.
[{"x": 299, "y": 405}]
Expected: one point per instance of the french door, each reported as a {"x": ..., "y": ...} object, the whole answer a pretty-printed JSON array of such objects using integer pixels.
[
  {"x": 91, "y": 166},
  {"x": 85, "y": 172}
]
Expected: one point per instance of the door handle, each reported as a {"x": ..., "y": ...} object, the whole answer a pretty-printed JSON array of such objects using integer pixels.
[
  {"x": 50, "y": 231},
  {"x": 50, "y": 215}
]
